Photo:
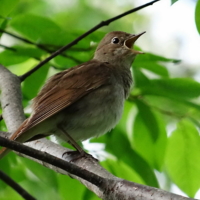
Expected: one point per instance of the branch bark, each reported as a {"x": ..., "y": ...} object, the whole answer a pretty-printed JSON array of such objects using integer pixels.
[
  {"x": 11, "y": 99},
  {"x": 90, "y": 173}
]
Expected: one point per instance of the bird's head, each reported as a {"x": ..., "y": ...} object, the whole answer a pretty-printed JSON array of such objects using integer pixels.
[{"x": 117, "y": 48}]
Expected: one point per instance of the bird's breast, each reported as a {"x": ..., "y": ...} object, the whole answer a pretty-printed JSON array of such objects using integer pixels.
[{"x": 96, "y": 113}]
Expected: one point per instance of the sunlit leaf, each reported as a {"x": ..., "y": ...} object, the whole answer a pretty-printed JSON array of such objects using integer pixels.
[
  {"x": 140, "y": 79},
  {"x": 6, "y": 7},
  {"x": 197, "y": 15},
  {"x": 33, "y": 83},
  {"x": 29, "y": 51},
  {"x": 182, "y": 159},
  {"x": 8, "y": 58},
  {"x": 45, "y": 175},
  {"x": 118, "y": 145},
  {"x": 70, "y": 188},
  {"x": 149, "y": 135},
  {"x": 121, "y": 170},
  {"x": 173, "y": 1},
  {"x": 89, "y": 195},
  {"x": 152, "y": 63},
  {"x": 179, "y": 88},
  {"x": 149, "y": 119},
  {"x": 40, "y": 29}
]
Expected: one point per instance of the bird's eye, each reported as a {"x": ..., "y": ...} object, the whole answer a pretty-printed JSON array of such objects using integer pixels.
[{"x": 115, "y": 40}]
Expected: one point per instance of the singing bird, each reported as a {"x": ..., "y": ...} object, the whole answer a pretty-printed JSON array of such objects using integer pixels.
[{"x": 86, "y": 100}]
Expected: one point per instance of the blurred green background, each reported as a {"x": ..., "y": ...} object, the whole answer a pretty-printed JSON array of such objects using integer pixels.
[{"x": 157, "y": 141}]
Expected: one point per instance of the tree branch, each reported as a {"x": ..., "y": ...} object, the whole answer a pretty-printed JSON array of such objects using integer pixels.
[
  {"x": 15, "y": 186},
  {"x": 109, "y": 186},
  {"x": 11, "y": 99},
  {"x": 40, "y": 46},
  {"x": 101, "y": 24},
  {"x": 101, "y": 182},
  {"x": 55, "y": 161},
  {"x": 56, "y": 67}
]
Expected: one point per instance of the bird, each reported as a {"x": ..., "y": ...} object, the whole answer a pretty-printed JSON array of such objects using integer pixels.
[{"x": 84, "y": 101}]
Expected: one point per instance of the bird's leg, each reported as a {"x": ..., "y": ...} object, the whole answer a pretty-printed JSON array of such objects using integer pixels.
[{"x": 72, "y": 141}]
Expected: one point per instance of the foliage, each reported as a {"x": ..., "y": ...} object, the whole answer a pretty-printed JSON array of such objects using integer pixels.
[
  {"x": 197, "y": 16},
  {"x": 173, "y": 1},
  {"x": 141, "y": 143}
]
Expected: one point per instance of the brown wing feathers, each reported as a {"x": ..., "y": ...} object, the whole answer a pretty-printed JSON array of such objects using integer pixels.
[{"x": 68, "y": 87}]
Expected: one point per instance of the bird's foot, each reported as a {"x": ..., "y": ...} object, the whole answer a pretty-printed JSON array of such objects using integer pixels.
[{"x": 76, "y": 155}]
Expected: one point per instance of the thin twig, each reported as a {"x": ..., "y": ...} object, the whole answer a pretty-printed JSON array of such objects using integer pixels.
[
  {"x": 101, "y": 24},
  {"x": 4, "y": 177},
  {"x": 54, "y": 66},
  {"x": 41, "y": 46}
]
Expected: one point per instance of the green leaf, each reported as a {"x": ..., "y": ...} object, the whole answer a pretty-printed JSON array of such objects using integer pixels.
[
  {"x": 47, "y": 176},
  {"x": 173, "y": 1},
  {"x": 124, "y": 153},
  {"x": 149, "y": 57},
  {"x": 172, "y": 108},
  {"x": 6, "y": 7},
  {"x": 3, "y": 25},
  {"x": 182, "y": 159},
  {"x": 89, "y": 195},
  {"x": 63, "y": 62},
  {"x": 149, "y": 119},
  {"x": 139, "y": 78},
  {"x": 149, "y": 136},
  {"x": 33, "y": 83},
  {"x": 197, "y": 16},
  {"x": 15, "y": 167},
  {"x": 30, "y": 51},
  {"x": 152, "y": 63},
  {"x": 6, "y": 168},
  {"x": 70, "y": 188},
  {"x": 153, "y": 67},
  {"x": 179, "y": 88},
  {"x": 121, "y": 170},
  {"x": 36, "y": 187},
  {"x": 40, "y": 29},
  {"x": 8, "y": 58},
  {"x": 23, "y": 67}
]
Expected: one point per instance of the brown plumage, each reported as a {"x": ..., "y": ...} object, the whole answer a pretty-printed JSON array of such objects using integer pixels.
[{"x": 86, "y": 100}]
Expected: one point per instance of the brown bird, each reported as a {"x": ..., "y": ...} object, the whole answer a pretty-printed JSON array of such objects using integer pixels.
[{"x": 84, "y": 101}]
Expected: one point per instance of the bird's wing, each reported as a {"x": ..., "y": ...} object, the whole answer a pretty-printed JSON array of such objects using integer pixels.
[{"x": 67, "y": 87}]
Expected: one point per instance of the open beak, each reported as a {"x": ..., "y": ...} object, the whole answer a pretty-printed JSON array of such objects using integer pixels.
[{"x": 130, "y": 42}]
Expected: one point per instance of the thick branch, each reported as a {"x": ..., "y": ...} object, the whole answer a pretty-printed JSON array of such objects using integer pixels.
[
  {"x": 55, "y": 161},
  {"x": 11, "y": 99},
  {"x": 110, "y": 187}
]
